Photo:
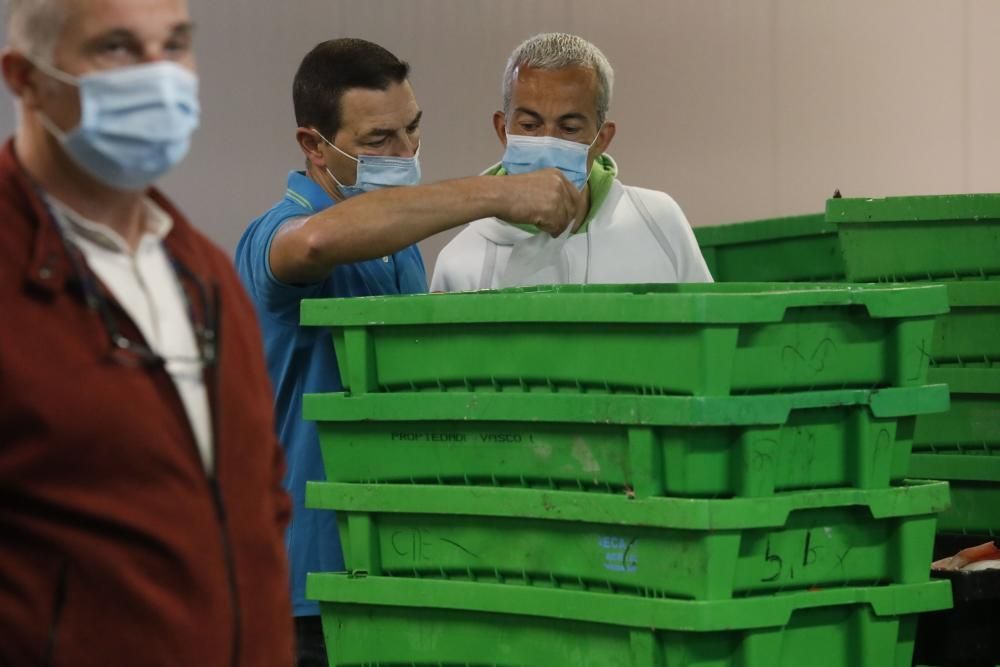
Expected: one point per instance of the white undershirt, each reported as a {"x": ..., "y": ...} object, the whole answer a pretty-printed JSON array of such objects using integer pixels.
[{"x": 145, "y": 284}]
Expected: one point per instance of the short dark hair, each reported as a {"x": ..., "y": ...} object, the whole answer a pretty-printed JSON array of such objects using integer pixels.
[{"x": 330, "y": 70}]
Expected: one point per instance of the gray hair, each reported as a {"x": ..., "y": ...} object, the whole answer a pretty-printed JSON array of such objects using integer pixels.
[
  {"x": 34, "y": 26},
  {"x": 558, "y": 50}
]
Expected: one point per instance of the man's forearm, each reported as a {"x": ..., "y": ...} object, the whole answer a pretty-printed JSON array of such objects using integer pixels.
[{"x": 386, "y": 221}]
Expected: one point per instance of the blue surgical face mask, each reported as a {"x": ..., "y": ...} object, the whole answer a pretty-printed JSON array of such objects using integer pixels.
[
  {"x": 377, "y": 171},
  {"x": 135, "y": 122},
  {"x": 525, "y": 154}
]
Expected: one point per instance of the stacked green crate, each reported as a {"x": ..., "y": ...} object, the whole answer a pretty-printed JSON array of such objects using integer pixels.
[
  {"x": 953, "y": 239},
  {"x": 393, "y": 621},
  {"x": 641, "y": 446},
  {"x": 693, "y": 339},
  {"x": 610, "y": 543},
  {"x": 706, "y": 474},
  {"x": 902, "y": 239},
  {"x": 795, "y": 249},
  {"x": 963, "y": 447}
]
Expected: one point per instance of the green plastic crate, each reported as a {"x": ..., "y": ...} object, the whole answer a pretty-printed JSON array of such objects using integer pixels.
[
  {"x": 963, "y": 447},
  {"x": 900, "y": 239},
  {"x": 386, "y": 621},
  {"x": 974, "y": 478},
  {"x": 797, "y": 249},
  {"x": 972, "y": 423},
  {"x": 662, "y": 339},
  {"x": 968, "y": 335},
  {"x": 975, "y": 509},
  {"x": 660, "y": 547},
  {"x": 644, "y": 445},
  {"x": 958, "y": 466}
]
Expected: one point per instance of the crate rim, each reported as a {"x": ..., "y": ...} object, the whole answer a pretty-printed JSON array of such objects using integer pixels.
[
  {"x": 621, "y": 610},
  {"x": 616, "y": 409},
  {"x": 716, "y": 303},
  {"x": 914, "y": 498}
]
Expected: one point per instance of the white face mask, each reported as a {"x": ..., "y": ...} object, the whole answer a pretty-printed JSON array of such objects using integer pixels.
[
  {"x": 377, "y": 171},
  {"x": 525, "y": 154},
  {"x": 135, "y": 122}
]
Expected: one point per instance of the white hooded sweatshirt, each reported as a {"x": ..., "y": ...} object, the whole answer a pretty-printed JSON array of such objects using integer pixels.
[{"x": 637, "y": 236}]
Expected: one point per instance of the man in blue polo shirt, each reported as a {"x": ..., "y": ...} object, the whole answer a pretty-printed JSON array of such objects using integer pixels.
[{"x": 343, "y": 229}]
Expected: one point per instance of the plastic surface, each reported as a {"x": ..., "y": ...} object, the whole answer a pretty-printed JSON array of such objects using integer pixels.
[
  {"x": 975, "y": 509},
  {"x": 800, "y": 248},
  {"x": 388, "y": 621},
  {"x": 649, "y": 339},
  {"x": 972, "y": 424},
  {"x": 647, "y": 446},
  {"x": 918, "y": 238},
  {"x": 707, "y": 549},
  {"x": 970, "y": 465},
  {"x": 963, "y": 447},
  {"x": 974, "y": 479},
  {"x": 967, "y": 336}
]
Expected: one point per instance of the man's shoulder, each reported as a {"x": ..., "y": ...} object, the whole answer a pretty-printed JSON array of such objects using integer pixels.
[
  {"x": 18, "y": 220},
  {"x": 267, "y": 223},
  {"x": 650, "y": 197},
  {"x": 18, "y": 212},
  {"x": 636, "y": 203}
]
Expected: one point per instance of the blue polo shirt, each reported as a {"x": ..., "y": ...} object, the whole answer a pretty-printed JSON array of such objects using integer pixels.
[{"x": 301, "y": 360}]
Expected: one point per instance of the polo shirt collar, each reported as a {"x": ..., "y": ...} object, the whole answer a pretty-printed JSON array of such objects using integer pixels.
[{"x": 307, "y": 193}]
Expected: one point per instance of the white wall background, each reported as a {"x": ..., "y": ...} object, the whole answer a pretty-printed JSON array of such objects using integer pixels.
[{"x": 739, "y": 108}]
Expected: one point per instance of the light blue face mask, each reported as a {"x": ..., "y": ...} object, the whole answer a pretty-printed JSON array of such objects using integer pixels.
[
  {"x": 525, "y": 154},
  {"x": 135, "y": 122},
  {"x": 377, "y": 171}
]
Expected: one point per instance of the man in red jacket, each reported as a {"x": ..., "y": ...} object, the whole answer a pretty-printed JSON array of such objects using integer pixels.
[{"x": 141, "y": 510}]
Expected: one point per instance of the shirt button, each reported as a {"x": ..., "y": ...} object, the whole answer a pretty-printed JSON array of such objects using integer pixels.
[{"x": 45, "y": 272}]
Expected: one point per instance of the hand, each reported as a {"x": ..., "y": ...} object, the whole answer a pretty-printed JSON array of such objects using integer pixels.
[
  {"x": 545, "y": 199},
  {"x": 956, "y": 562},
  {"x": 987, "y": 551}
]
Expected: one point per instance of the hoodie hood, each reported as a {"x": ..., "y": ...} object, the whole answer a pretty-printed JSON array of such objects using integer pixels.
[{"x": 602, "y": 177}]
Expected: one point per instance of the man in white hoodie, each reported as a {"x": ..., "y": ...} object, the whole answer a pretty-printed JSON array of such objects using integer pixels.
[{"x": 556, "y": 94}]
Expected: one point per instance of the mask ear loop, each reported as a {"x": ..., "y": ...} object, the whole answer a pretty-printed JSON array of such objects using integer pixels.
[
  {"x": 589, "y": 173},
  {"x": 347, "y": 155},
  {"x": 62, "y": 77},
  {"x": 53, "y": 72},
  {"x": 586, "y": 271},
  {"x": 331, "y": 145}
]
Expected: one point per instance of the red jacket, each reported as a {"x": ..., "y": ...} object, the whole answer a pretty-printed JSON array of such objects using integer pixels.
[{"x": 116, "y": 547}]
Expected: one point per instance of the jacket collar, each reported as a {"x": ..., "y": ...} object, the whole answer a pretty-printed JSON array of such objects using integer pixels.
[{"x": 49, "y": 266}]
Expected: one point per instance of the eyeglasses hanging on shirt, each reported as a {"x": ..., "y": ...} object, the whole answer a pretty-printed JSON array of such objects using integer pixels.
[{"x": 135, "y": 351}]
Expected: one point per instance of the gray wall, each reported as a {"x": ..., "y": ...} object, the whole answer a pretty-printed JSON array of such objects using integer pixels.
[{"x": 738, "y": 108}]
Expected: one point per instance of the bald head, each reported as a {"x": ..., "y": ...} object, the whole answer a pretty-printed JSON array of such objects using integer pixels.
[{"x": 34, "y": 26}]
